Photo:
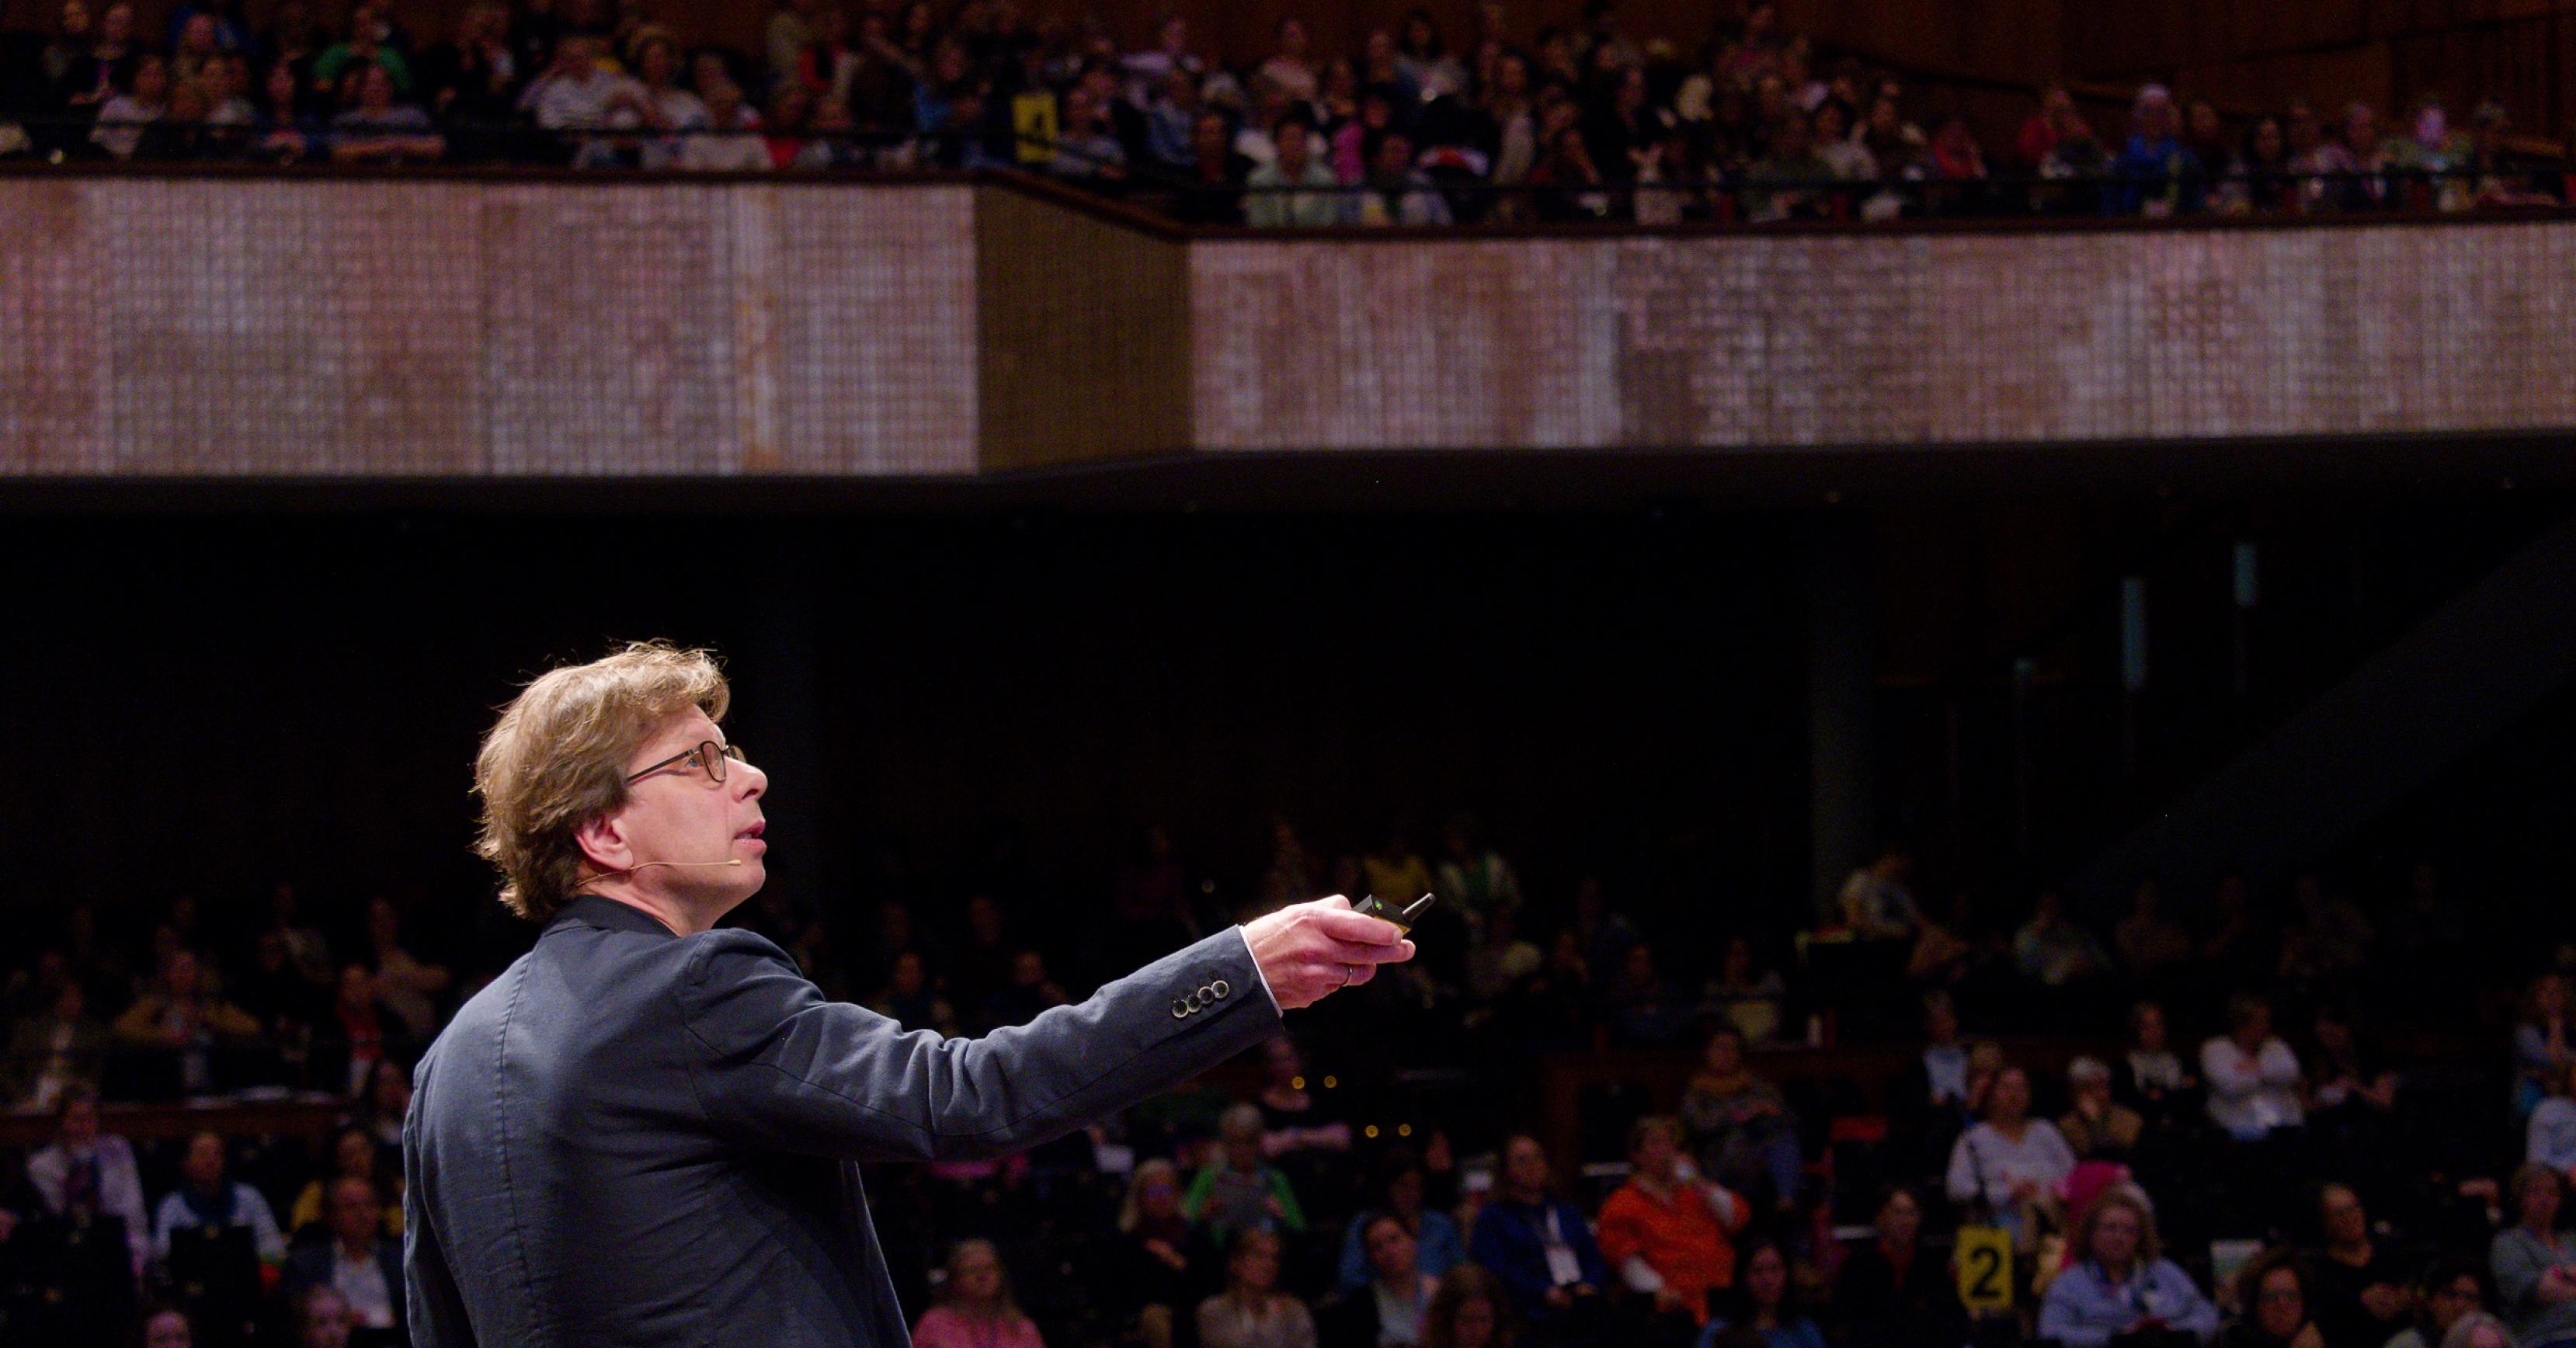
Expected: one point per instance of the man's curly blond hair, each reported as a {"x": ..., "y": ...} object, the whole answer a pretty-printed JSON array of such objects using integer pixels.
[{"x": 557, "y": 759}]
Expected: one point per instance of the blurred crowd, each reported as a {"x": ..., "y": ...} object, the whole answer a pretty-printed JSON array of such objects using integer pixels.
[
  {"x": 2309, "y": 1117},
  {"x": 1587, "y": 122}
]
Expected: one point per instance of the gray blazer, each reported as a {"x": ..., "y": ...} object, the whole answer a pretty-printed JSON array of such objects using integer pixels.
[{"x": 637, "y": 1139}]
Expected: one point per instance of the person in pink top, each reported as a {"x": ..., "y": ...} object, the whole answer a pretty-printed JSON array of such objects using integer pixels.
[{"x": 975, "y": 1309}]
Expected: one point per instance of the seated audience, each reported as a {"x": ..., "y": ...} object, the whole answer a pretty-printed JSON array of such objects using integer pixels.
[
  {"x": 2550, "y": 1137},
  {"x": 1252, "y": 1312},
  {"x": 2452, "y": 1289},
  {"x": 975, "y": 1308},
  {"x": 1400, "y": 1193},
  {"x": 1747, "y": 994},
  {"x": 1162, "y": 1265},
  {"x": 908, "y": 998},
  {"x": 1665, "y": 1232},
  {"x": 1763, "y": 1300},
  {"x": 1470, "y": 1310},
  {"x": 2254, "y": 1079},
  {"x": 1291, "y": 1114},
  {"x": 2364, "y": 1293},
  {"x": 2150, "y": 943},
  {"x": 85, "y": 1175},
  {"x": 208, "y": 1198},
  {"x": 1387, "y": 1310},
  {"x": 2540, "y": 1039},
  {"x": 2154, "y": 1080},
  {"x": 1927, "y": 1104},
  {"x": 2272, "y": 1304},
  {"x": 354, "y": 1154},
  {"x": 1240, "y": 1190},
  {"x": 2097, "y": 1127},
  {"x": 1741, "y": 1125},
  {"x": 179, "y": 1019},
  {"x": 1893, "y": 1293},
  {"x": 1538, "y": 1244},
  {"x": 2116, "y": 1281},
  {"x": 355, "y": 1259},
  {"x": 2010, "y": 1165},
  {"x": 2052, "y": 949},
  {"x": 53, "y": 1052},
  {"x": 322, "y": 1318},
  {"x": 2534, "y": 1263},
  {"x": 1877, "y": 904}
]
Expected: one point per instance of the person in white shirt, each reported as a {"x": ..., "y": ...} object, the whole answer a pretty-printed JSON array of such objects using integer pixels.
[
  {"x": 2253, "y": 1077},
  {"x": 2011, "y": 1163},
  {"x": 2551, "y": 1137},
  {"x": 85, "y": 1171},
  {"x": 207, "y": 1197},
  {"x": 359, "y": 1262},
  {"x": 736, "y": 153}
]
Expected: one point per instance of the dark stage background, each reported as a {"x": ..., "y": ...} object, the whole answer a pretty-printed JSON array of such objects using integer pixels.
[{"x": 208, "y": 706}]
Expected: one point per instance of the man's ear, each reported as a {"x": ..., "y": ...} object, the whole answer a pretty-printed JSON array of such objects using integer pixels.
[{"x": 602, "y": 840}]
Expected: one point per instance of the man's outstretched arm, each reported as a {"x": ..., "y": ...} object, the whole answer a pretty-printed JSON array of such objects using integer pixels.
[{"x": 787, "y": 1069}]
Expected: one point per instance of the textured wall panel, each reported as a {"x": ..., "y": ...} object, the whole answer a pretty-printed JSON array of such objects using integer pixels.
[
  {"x": 1898, "y": 339},
  {"x": 281, "y": 326}
]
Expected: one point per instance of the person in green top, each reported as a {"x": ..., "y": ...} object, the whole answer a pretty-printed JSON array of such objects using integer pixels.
[
  {"x": 366, "y": 43},
  {"x": 1242, "y": 1191}
]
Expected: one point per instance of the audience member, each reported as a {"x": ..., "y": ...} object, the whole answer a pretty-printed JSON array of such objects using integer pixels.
[
  {"x": 1162, "y": 1264},
  {"x": 1387, "y": 1310},
  {"x": 2011, "y": 1165},
  {"x": 1891, "y": 1292},
  {"x": 2452, "y": 1288},
  {"x": 2115, "y": 1280},
  {"x": 2540, "y": 1040},
  {"x": 2272, "y": 1292},
  {"x": 87, "y": 1175},
  {"x": 52, "y": 1053},
  {"x": 1400, "y": 1193},
  {"x": 1746, "y": 993},
  {"x": 2154, "y": 1081},
  {"x": 1665, "y": 1232},
  {"x": 975, "y": 1308},
  {"x": 2053, "y": 950},
  {"x": 2254, "y": 1079},
  {"x": 210, "y": 1199},
  {"x": 1252, "y": 1312},
  {"x": 1539, "y": 1245},
  {"x": 1764, "y": 1300},
  {"x": 2096, "y": 1126},
  {"x": 355, "y": 1154},
  {"x": 2534, "y": 1263},
  {"x": 1240, "y": 1190},
  {"x": 2363, "y": 1293},
  {"x": 1741, "y": 1126},
  {"x": 1471, "y": 1310},
  {"x": 355, "y": 1259},
  {"x": 2150, "y": 943}
]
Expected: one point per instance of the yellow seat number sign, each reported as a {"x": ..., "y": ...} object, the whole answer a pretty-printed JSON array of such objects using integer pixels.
[{"x": 1983, "y": 1259}]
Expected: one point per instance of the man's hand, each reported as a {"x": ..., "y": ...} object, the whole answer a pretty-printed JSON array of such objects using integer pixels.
[{"x": 1309, "y": 950}]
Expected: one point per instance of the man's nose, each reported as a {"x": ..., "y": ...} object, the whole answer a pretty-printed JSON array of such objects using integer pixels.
[{"x": 755, "y": 783}]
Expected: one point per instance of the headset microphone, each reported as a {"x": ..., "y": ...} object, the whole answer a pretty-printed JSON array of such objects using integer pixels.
[{"x": 676, "y": 865}]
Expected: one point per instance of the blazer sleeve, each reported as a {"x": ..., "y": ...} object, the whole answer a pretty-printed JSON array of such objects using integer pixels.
[
  {"x": 433, "y": 1308},
  {"x": 774, "y": 1062}
]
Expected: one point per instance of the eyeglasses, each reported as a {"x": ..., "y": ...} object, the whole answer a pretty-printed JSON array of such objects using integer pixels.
[{"x": 708, "y": 757}]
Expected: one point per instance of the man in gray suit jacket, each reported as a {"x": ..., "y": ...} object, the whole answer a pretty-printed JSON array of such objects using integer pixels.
[{"x": 645, "y": 1132}]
